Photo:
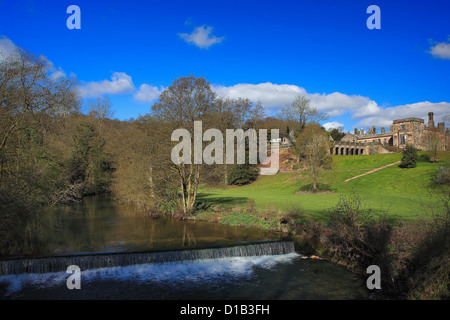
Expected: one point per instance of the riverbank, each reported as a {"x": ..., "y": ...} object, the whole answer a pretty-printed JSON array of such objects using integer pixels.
[{"x": 399, "y": 221}]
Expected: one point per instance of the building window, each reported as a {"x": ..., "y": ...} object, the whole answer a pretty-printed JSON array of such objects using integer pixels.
[
  {"x": 402, "y": 127},
  {"x": 403, "y": 139}
]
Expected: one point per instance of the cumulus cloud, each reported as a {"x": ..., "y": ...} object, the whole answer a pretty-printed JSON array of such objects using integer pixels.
[
  {"x": 441, "y": 50},
  {"x": 147, "y": 93},
  {"x": 120, "y": 83},
  {"x": 275, "y": 96},
  {"x": 55, "y": 73},
  {"x": 384, "y": 117},
  {"x": 201, "y": 37},
  {"x": 7, "y": 47},
  {"x": 270, "y": 95},
  {"x": 365, "y": 111},
  {"x": 332, "y": 125}
]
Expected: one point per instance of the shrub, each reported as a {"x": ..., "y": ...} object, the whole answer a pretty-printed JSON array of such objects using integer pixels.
[
  {"x": 242, "y": 174},
  {"x": 443, "y": 175},
  {"x": 410, "y": 157}
]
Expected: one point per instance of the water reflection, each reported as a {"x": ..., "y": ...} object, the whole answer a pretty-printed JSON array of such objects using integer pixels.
[{"x": 98, "y": 224}]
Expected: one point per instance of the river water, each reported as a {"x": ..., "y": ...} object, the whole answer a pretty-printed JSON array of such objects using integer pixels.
[{"x": 99, "y": 225}]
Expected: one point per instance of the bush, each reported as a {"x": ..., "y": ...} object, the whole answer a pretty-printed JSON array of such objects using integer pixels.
[
  {"x": 443, "y": 175},
  {"x": 410, "y": 157},
  {"x": 243, "y": 174}
]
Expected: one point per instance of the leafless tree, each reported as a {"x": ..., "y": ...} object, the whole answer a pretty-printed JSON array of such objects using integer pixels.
[
  {"x": 100, "y": 108},
  {"x": 27, "y": 92},
  {"x": 315, "y": 150},
  {"x": 187, "y": 100},
  {"x": 301, "y": 112}
]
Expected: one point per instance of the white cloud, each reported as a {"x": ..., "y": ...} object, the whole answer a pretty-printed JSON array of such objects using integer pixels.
[
  {"x": 275, "y": 96},
  {"x": 332, "y": 125},
  {"x": 201, "y": 37},
  {"x": 270, "y": 95},
  {"x": 7, "y": 47},
  {"x": 384, "y": 117},
  {"x": 55, "y": 73},
  {"x": 360, "y": 108},
  {"x": 147, "y": 93},
  {"x": 441, "y": 50},
  {"x": 120, "y": 83}
]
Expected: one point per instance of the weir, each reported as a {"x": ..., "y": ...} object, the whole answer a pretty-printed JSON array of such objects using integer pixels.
[{"x": 96, "y": 261}]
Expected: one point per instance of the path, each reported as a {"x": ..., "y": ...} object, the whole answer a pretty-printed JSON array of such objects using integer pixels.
[{"x": 374, "y": 170}]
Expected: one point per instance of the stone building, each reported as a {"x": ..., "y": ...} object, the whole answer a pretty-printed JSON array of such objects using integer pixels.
[{"x": 402, "y": 132}]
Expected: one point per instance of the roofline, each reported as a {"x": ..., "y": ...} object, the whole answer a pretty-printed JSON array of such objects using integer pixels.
[{"x": 409, "y": 120}]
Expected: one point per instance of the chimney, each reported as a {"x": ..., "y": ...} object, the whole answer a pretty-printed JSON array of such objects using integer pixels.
[
  {"x": 441, "y": 126},
  {"x": 374, "y": 130},
  {"x": 356, "y": 131},
  {"x": 383, "y": 130},
  {"x": 430, "y": 120},
  {"x": 362, "y": 132}
]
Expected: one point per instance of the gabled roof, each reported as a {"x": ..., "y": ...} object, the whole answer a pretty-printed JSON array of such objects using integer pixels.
[{"x": 350, "y": 137}]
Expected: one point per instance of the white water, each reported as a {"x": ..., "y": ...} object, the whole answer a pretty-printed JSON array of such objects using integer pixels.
[{"x": 208, "y": 271}]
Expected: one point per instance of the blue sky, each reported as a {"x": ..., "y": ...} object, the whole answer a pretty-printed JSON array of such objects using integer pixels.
[{"x": 263, "y": 50}]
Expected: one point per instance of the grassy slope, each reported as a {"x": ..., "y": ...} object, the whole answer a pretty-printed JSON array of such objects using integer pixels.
[{"x": 400, "y": 191}]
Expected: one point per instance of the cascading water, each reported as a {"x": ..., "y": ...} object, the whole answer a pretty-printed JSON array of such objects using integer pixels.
[{"x": 95, "y": 261}]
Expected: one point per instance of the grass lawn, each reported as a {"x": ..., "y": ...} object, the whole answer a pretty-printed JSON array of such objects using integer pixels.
[{"x": 399, "y": 191}]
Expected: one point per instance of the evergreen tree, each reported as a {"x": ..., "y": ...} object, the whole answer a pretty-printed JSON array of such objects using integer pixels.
[{"x": 410, "y": 157}]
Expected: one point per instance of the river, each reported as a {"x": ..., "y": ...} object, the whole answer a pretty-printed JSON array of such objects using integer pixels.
[{"x": 98, "y": 225}]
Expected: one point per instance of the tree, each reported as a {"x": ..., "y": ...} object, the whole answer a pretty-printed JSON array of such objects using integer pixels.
[
  {"x": 188, "y": 99},
  {"x": 243, "y": 174},
  {"x": 301, "y": 113},
  {"x": 433, "y": 142},
  {"x": 89, "y": 164},
  {"x": 297, "y": 115},
  {"x": 314, "y": 148},
  {"x": 337, "y": 133},
  {"x": 410, "y": 157},
  {"x": 100, "y": 109},
  {"x": 28, "y": 92},
  {"x": 235, "y": 114}
]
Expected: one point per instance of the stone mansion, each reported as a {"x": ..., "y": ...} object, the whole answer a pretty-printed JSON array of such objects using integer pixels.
[{"x": 402, "y": 132}]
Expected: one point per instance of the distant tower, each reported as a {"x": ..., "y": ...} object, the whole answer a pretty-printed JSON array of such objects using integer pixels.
[{"x": 430, "y": 120}]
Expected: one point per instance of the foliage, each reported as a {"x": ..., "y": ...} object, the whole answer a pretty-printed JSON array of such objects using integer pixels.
[
  {"x": 410, "y": 157},
  {"x": 89, "y": 164},
  {"x": 443, "y": 175},
  {"x": 314, "y": 149},
  {"x": 242, "y": 174},
  {"x": 337, "y": 133}
]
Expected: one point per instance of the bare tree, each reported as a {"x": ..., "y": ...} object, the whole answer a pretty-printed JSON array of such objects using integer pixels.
[
  {"x": 100, "y": 108},
  {"x": 301, "y": 113},
  {"x": 434, "y": 141},
  {"x": 27, "y": 92},
  {"x": 315, "y": 150},
  {"x": 187, "y": 100}
]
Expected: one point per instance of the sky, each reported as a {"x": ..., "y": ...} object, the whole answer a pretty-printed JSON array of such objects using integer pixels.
[{"x": 268, "y": 51}]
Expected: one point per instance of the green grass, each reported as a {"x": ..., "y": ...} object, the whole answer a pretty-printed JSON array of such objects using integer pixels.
[{"x": 398, "y": 191}]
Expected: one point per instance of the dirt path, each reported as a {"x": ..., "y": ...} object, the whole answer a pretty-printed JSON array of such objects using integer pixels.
[{"x": 374, "y": 170}]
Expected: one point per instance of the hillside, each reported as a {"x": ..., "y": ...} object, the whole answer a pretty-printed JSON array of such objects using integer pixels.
[{"x": 401, "y": 193}]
